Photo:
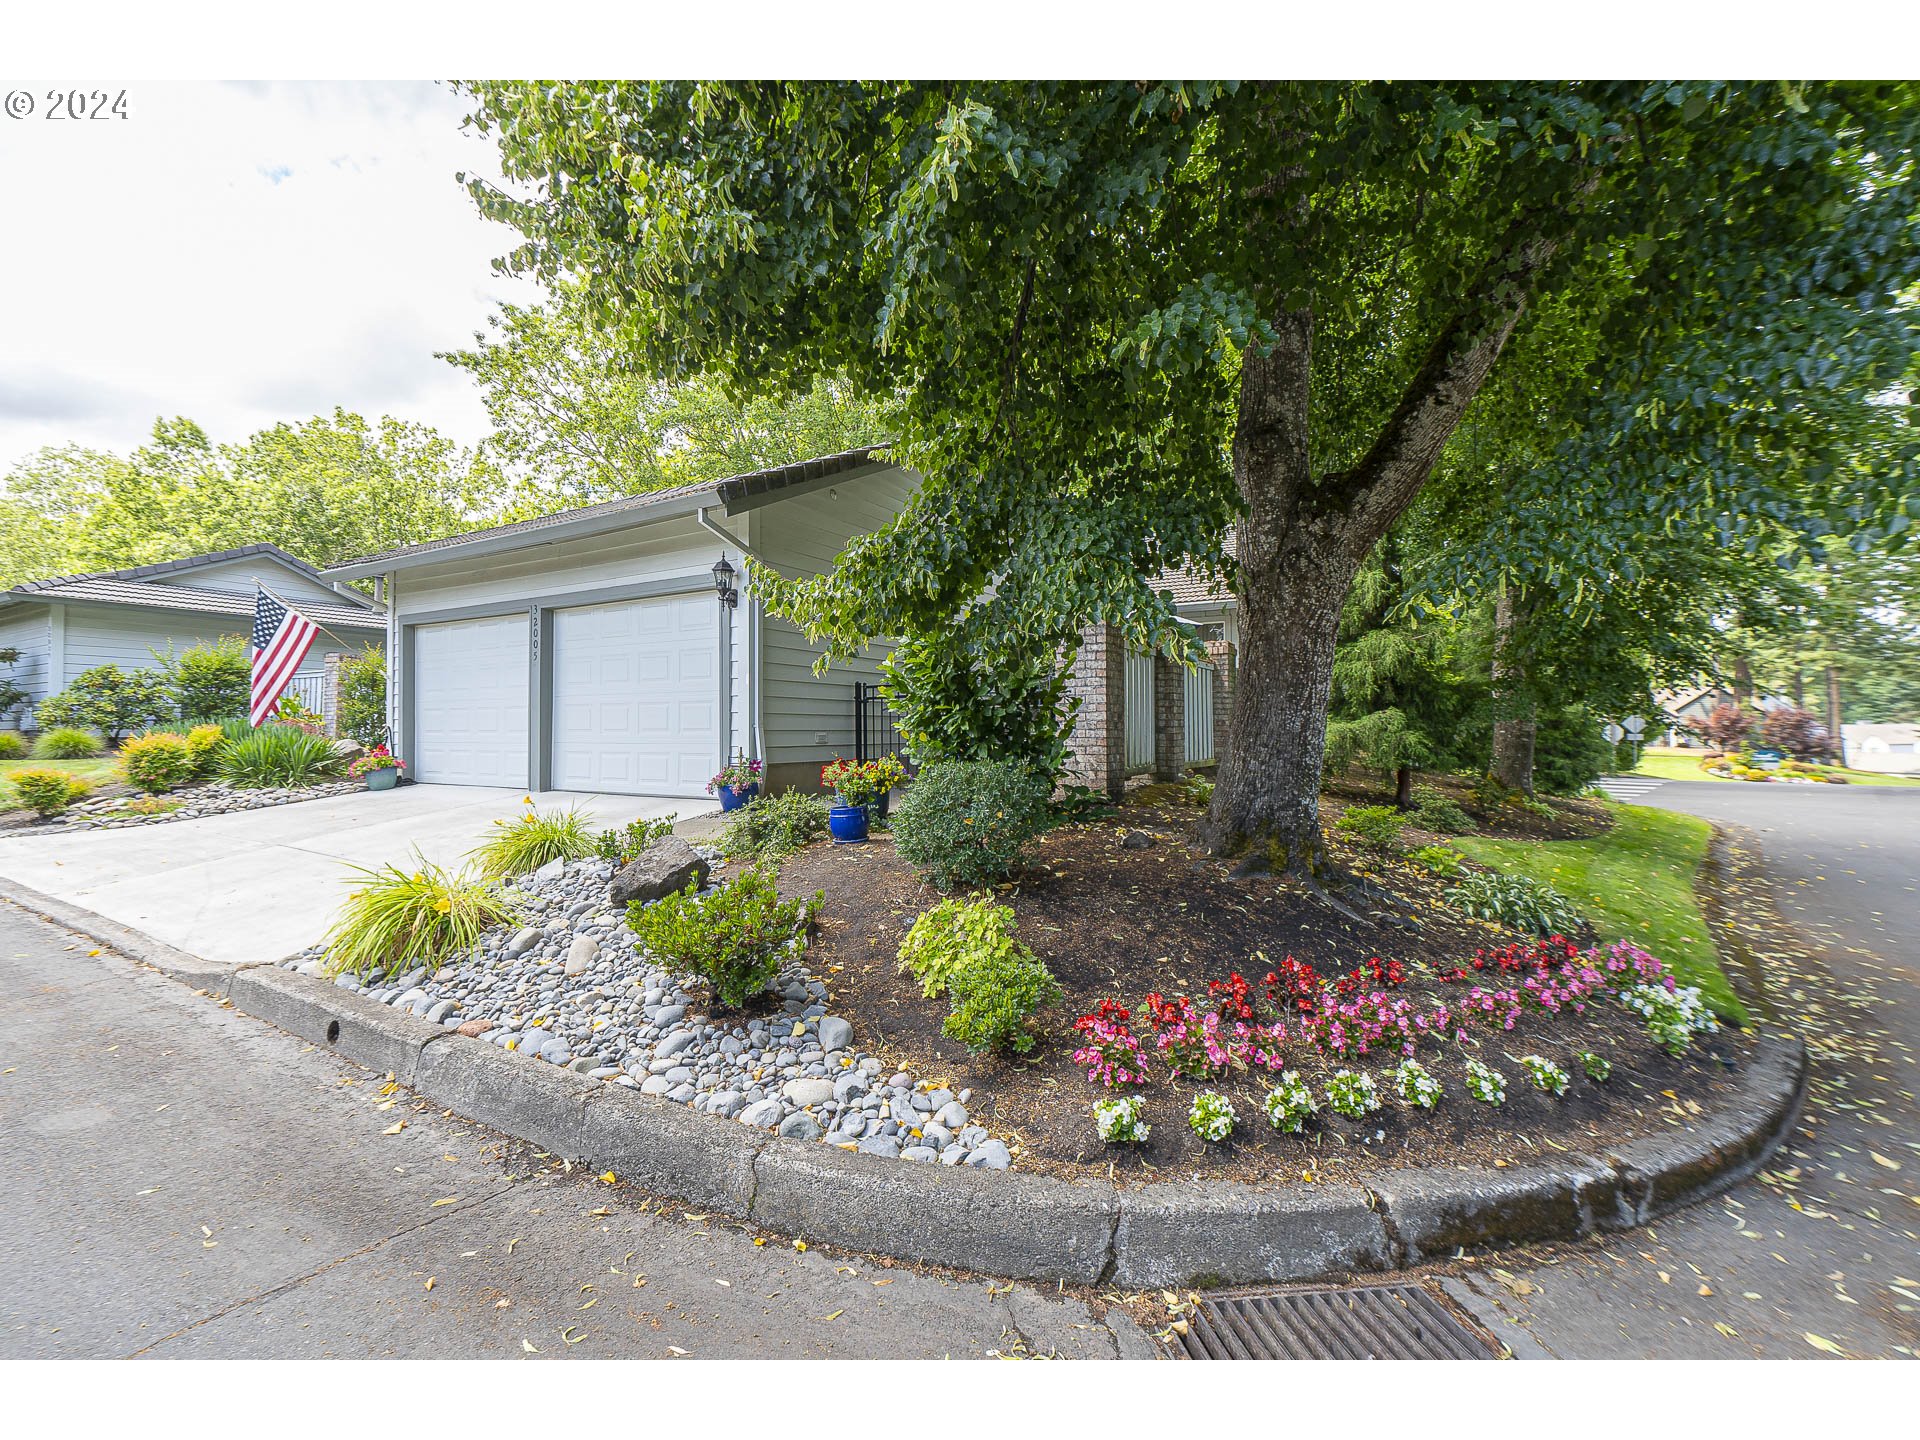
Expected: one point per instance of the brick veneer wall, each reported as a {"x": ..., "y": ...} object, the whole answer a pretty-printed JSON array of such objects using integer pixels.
[
  {"x": 1224, "y": 658},
  {"x": 1097, "y": 678},
  {"x": 330, "y": 691}
]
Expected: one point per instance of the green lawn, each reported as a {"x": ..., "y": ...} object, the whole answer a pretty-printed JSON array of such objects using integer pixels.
[
  {"x": 96, "y": 771},
  {"x": 1634, "y": 883},
  {"x": 1685, "y": 765}
]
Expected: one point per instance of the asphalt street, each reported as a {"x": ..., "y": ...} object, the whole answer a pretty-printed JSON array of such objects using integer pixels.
[
  {"x": 187, "y": 1181},
  {"x": 1820, "y": 1254}
]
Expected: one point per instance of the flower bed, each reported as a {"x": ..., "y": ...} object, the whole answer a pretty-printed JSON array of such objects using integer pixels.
[
  {"x": 190, "y": 802},
  {"x": 1337, "y": 1047}
]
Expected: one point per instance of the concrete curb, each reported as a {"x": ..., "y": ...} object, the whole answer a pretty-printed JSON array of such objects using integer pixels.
[
  {"x": 189, "y": 970},
  {"x": 1029, "y": 1227}
]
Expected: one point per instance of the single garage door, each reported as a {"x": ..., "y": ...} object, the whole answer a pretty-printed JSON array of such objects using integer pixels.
[
  {"x": 470, "y": 702},
  {"x": 636, "y": 696}
]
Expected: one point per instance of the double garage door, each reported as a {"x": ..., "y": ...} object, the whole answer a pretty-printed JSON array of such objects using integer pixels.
[{"x": 634, "y": 706}]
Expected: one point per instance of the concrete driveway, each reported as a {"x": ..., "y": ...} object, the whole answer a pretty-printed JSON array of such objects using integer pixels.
[{"x": 235, "y": 889}]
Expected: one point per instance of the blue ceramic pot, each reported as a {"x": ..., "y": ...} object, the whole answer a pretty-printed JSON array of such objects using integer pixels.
[
  {"x": 383, "y": 779},
  {"x": 732, "y": 797},
  {"x": 847, "y": 824}
]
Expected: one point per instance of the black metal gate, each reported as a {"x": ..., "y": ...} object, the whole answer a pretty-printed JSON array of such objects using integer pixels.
[{"x": 874, "y": 731}]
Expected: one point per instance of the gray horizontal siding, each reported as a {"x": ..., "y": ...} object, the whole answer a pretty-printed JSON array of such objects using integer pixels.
[
  {"x": 127, "y": 636},
  {"x": 24, "y": 628}
]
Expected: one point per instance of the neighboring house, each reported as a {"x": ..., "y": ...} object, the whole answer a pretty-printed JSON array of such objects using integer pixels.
[
  {"x": 1682, "y": 709},
  {"x": 69, "y": 624},
  {"x": 1892, "y": 749},
  {"x": 593, "y": 649}
]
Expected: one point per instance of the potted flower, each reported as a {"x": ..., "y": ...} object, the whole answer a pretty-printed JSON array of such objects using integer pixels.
[
  {"x": 857, "y": 784},
  {"x": 380, "y": 767},
  {"x": 738, "y": 783}
]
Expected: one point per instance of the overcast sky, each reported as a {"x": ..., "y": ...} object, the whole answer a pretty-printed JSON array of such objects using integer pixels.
[{"x": 241, "y": 254}]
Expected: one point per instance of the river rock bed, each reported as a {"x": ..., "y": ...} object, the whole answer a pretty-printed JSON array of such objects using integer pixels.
[
  {"x": 213, "y": 798},
  {"x": 572, "y": 988}
]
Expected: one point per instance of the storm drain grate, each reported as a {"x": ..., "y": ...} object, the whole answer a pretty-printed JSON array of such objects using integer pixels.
[{"x": 1372, "y": 1322}]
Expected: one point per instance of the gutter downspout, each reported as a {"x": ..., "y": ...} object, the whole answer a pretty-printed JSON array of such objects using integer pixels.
[{"x": 756, "y": 732}]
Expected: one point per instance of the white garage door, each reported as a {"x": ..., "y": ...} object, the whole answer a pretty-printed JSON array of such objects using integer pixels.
[
  {"x": 470, "y": 702},
  {"x": 636, "y": 696}
]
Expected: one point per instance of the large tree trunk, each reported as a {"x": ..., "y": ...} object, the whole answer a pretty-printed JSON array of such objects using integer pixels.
[
  {"x": 1514, "y": 723},
  {"x": 1302, "y": 537},
  {"x": 1403, "y": 787}
]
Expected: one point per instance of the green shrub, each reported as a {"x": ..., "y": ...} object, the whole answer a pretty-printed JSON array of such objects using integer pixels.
[
  {"x": 1569, "y": 752},
  {"x": 1374, "y": 827},
  {"x": 952, "y": 935},
  {"x": 66, "y": 742},
  {"x": 620, "y": 846},
  {"x": 523, "y": 845},
  {"x": 397, "y": 919},
  {"x": 12, "y": 747},
  {"x": 993, "y": 994},
  {"x": 1441, "y": 860},
  {"x": 772, "y": 827},
  {"x": 203, "y": 745},
  {"x": 361, "y": 712},
  {"x": 110, "y": 701},
  {"x": 275, "y": 755},
  {"x": 210, "y": 682},
  {"x": 1439, "y": 813},
  {"x": 735, "y": 938},
  {"x": 966, "y": 822},
  {"x": 157, "y": 761},
  {"x": 47, "y": 792},
  {"x": 1518, "y": 902}
]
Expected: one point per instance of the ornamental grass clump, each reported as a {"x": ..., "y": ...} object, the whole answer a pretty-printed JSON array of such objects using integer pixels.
[
  {"x": 12, "y": 747},
  {"x": 157, "y": 761},
  {"x": 1212, "y": 1116},
  {"x": 66, "y": 742},
  {"x": 1119, "y": 1121},
  {"x": 275, "y": 756},
  {"x": 395, "y": 919},
  {"x": 1486, "y": 1084},
  {"x": 735, "y": 937},
  {"x": 523, "y": 845},
  {"x": 1290, "y": 1104},
  {"x": 1545, "y": 1074},
  {"x": 1415, "y": 1084},
  {"x": 1352, "y": 1093}
]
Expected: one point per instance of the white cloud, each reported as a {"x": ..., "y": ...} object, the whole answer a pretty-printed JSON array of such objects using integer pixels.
[{"x": 242, "y": 254}]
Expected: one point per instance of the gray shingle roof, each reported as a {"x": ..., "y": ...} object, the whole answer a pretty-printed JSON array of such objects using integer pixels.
[
  {"x": 731, "y": 489},
  {"x": 104, "y": 590},
  {"x": 190, "y": 562},
  {"x": 1189, "y": 585}
]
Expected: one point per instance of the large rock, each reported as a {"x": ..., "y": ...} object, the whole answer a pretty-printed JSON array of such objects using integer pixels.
[
  {"x": 667, "y": 865},
  {"x": 347, "y": 751}
]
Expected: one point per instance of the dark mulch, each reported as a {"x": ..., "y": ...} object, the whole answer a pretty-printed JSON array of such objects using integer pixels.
[{"x": 1114, "y": 921}]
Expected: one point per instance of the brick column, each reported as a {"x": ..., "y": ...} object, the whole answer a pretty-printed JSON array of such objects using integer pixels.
[
  {"x": 1097, "y": 678},
  {"x": 1169, "y": 718},
  {"x": 330, "y": 691},
  {"x": 1225, "y": 658}
]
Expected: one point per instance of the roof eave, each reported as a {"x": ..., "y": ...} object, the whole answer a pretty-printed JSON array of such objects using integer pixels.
[{"x": 734, "y": 498}]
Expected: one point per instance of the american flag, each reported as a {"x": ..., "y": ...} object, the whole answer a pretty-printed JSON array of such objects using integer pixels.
[{"x": 281, "y": 638}]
